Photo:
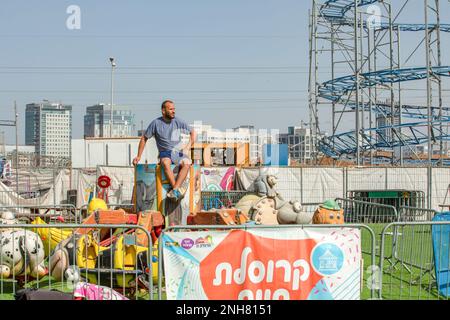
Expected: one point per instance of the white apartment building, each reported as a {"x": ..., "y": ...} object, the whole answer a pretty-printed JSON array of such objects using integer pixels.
[
  {"x": 301, "y": 143},
  {"x": 48, "y": 127}
]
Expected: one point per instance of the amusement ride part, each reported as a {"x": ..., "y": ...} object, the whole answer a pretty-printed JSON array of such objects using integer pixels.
[{"x": 356, "y": 36}]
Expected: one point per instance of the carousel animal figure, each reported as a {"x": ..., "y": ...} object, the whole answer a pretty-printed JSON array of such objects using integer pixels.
[
  {"x": 268, "y": 211},
  {"x": 84, "y": 252},
  {"x": 329, "y": 212},
  {"x": 267, "y": 207},
  {"x": 265, "y": 186},
  {"x": 22, "y": 252},
  {"x": 291, "y": 213},
  {"x": 7, "y": 218}
]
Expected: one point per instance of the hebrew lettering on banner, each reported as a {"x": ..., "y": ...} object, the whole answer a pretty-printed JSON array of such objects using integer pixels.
[{"x": 263, "y": 264}]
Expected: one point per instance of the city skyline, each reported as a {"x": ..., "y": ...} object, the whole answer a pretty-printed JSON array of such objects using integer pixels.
[
  {"x": 218, "y": 70},
  {"x": 136, "y": 127},
  {"x": 216, "y": 65}
]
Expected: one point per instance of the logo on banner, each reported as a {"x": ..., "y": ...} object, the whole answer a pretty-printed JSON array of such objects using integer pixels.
[
  {"x": 205, "y": 242},
  {"x": 249, "y": 267},
  {"x": 187, "y": 243},
  {"x": 169, "y": 244},
  {"x": 327, "y": 259}
]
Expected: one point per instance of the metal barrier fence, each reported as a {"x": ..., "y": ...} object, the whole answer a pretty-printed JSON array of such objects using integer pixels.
[
  {"x": 411, "y": 214},
  {"x": 221, "y": 199},
  {"x": 67, "y": 211},
  {"x": 9, "y": 197},
  {"x": 310, "y": 207},
  {"x": 367, "y": 292},
  {"x": 405, "y": 254},
  {"x": 410, "y": 274},
  {"x": 395, "y": 198},
  {"x": 375, "y": 215},
  {"x": 356, "y": 211},
  {"x": 84, "y": 208},
  {"x": 122, "y": 182},
  {"x": 316, "y": 184},
  {"x": 82, "y": 257}
]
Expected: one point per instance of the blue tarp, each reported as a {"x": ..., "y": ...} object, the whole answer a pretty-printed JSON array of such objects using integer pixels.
[{"x": 441, "y": 236}]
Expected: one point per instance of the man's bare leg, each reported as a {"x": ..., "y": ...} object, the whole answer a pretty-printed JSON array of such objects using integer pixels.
[
  {"x": 182, "y": 174},
  {"x": 166, "y": 163}
]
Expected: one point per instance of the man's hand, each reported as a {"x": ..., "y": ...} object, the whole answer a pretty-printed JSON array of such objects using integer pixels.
[
  {"x": 141, "y": 147},
  {"x": 136, "y": 161},
  {"x": 187, "y": 152}
]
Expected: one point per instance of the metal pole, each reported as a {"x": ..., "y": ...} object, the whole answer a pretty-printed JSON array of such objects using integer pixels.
[
  {"x": 16, "y": 117},
  {"x": 439, "y": 58},
  {"x": 310, "y": 79},
  {"x": 369, "y": 50},
  {"x": 356, "y": 57},
  {"x": 400, "y": 107},
  {"x": 375, "y": 89},
  {"x": 111, "y": 120},
  {"x": 314, "y": 138},
  {"x": 54, "y": 183},
  {"x": 391, "y": 56},
  {"x": 333, "y": 103},
  {"x": 361, "y": 63},
  {"x": 428, "y": 64},
  {"x": 430, "y": 147}
]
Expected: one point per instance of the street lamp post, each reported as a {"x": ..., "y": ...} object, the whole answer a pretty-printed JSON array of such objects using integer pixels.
[{"x": 111, "y": 120}]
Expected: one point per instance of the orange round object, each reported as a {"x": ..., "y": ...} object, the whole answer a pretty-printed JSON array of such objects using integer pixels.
[
  {"x": 104, "y": 182},
  {"x": 327, "y": 216}
]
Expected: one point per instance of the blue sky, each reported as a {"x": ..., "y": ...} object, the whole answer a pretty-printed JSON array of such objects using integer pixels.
[{"x": 225, "y": 63}]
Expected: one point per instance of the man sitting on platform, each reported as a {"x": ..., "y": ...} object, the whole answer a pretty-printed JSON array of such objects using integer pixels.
[{"x": 168, "y": 131}]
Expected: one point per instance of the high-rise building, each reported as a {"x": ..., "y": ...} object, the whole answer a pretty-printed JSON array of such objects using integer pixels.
[
  {"x": 385, "y": 134},
  {"x": 48, "y": 127},
  {"x": 301, "y": 142},
  {"x": 97, "y": 122}
]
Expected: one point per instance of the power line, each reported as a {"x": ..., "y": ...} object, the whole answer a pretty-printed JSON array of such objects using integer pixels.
[
  {"x": 155, "y": 67},
  {"x": 150, "y": 91},
  {"x": 157, "y": 73},
  {"x": 129, "y": 36}
]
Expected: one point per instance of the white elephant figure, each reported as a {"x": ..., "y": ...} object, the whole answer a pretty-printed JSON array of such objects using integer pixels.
[
  {"x": 291, "y": 213},
  {"x": 7, "y": 218},
  {"x": 265, "y": 186},
  {"x": 21, "y": 252},
  {"x": 273, "y": 211}
]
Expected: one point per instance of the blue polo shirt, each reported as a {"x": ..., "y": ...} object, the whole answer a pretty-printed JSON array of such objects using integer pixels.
[{"x": 167, "y": 134}]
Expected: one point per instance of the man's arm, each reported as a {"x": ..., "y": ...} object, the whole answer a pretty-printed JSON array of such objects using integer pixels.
[
  {"x": 141, "y": 148},
  {"x": 187, "y": 148}
]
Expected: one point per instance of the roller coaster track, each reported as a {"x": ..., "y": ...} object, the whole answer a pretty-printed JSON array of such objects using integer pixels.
[
  {"x": 411, "y": 27},
  {"x": 335, "y": 89},
  {"x": 336, "y": 9},
  {"x": 408, "y": 111},
  {"x": 339, "y": 90},
  {"x": 375, "y": 138},
  {"x": 411, "y": 134}
]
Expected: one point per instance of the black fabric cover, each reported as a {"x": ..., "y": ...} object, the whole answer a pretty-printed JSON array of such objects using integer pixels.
[{"x": 38, "y": 294}]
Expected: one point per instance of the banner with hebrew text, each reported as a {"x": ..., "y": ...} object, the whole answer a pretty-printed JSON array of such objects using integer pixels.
[{"x": 263, "y": 264}]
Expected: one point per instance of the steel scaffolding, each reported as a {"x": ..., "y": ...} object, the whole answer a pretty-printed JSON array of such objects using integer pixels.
[{"x": 357, "y": 44}]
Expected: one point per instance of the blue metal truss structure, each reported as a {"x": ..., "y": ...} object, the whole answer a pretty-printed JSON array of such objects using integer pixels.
[
  {"x": 408, "y": 111},
  {"x": 340, "y": 90},
  {"x": 335, "y": 89},
  {"x": 411, "y": 134},
  {"x": 336, "y": 9},
  {"x": 411, "y": 27}
]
